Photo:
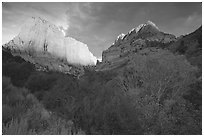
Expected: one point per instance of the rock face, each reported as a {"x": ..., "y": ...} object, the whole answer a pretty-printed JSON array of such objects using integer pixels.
[
  {"x": 43, "y": 43},
  {"x": 135, "y": 40}
]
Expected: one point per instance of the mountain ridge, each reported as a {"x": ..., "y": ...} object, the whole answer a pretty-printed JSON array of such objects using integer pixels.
[
  {"x": 135, "y": 39},
  {"x": 44, "y": 44},
  {"x": 141, "y": 38},
  {"x": 38, "y": 35}
]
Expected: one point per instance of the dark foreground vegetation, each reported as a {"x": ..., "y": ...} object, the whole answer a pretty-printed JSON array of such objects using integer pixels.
[{"x": 151, "y": 96}]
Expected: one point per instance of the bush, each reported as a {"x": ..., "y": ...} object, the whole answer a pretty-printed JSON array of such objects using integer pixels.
[
  {"x": 32, "y": 123},
  {"x": 16, "y": 127},
  {"x": 62, "y": 97},
  {"x": 18, "y": 72},
  {"x": 5, "y": 82},
  {"x": 165, "y": 79},
  {"x": 14, "y": 101},
  {"x": 6, "y": 113},
  {"x": 40, "y": 81},
  {"x": 106, "y": 110},
  {"x": 182, "y": 48}
]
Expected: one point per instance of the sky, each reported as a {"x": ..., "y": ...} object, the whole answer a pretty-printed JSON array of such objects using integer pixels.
[{"x": 98, "y": 24}]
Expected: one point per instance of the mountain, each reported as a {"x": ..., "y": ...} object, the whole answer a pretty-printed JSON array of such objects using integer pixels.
[
  {"x": 145, "y": 84},
  {"x": 42, "y": 43},
  {"x": 135, "y": 40},
  {"x": 164, "y": 86}
]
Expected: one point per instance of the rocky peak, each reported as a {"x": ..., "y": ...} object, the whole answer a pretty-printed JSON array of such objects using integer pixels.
[
  {"x": 152, "y": 24},
  {"x": 147, "y": 25},
  {"x": 138, "y": 38},
  {"x": 147, "y": 31},
  {"x": 41, "y": 42},
  {"x": 121, "y": 36},
  {"x": 40, "y": 36}
]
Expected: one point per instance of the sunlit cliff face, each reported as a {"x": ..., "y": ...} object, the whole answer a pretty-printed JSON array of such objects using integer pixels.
[{"x": 39, "y": 35}]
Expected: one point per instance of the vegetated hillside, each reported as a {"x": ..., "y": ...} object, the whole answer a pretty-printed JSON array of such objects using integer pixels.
[
  {"x": 191, "y": 46},
  {"x": 22, "y": 112},
  {"x": 155, "y": 92},
  {"x": 164, "y": 89},
  {"x": 163, "y": 85}
]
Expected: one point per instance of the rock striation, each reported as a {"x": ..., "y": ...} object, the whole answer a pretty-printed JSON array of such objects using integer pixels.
[{"x": 45, "y": 45}]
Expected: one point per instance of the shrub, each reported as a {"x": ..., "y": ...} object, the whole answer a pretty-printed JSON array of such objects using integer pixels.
[
  {"x": 165, "y": 80},
  {"x": 40, "y": 81},
  {"x": 5, "y": 82},
  {"x": 182, "y": 48},
  {"x": 16, "y": 127},
  {"x": 19, "y": 72},
  {"x": 14, "y": 101},
  {"x": 106, "y": 110},
  {"x": 6, "y": 113},
  {"x": 24, "y": 114}
]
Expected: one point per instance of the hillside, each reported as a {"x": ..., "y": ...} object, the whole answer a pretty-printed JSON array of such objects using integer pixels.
[
  {"x": 146, "y": 84},
  {"x": 191, "y": 46}
]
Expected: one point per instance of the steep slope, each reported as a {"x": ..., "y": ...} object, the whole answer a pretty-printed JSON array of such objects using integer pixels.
[
  {"x": 43, "y": 43},
  {"x": 130, "y": 43},
  {"x": 191, "y": 46}
]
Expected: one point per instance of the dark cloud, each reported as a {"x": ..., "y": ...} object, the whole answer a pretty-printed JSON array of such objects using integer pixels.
[{"x": 98, "y": 24}]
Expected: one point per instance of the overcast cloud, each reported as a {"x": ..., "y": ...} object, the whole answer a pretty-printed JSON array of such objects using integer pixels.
[{"x": 99, "y": 24}]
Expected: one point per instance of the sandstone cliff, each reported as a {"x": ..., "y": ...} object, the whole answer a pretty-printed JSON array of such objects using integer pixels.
[{"x": 44, "y": 44}]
